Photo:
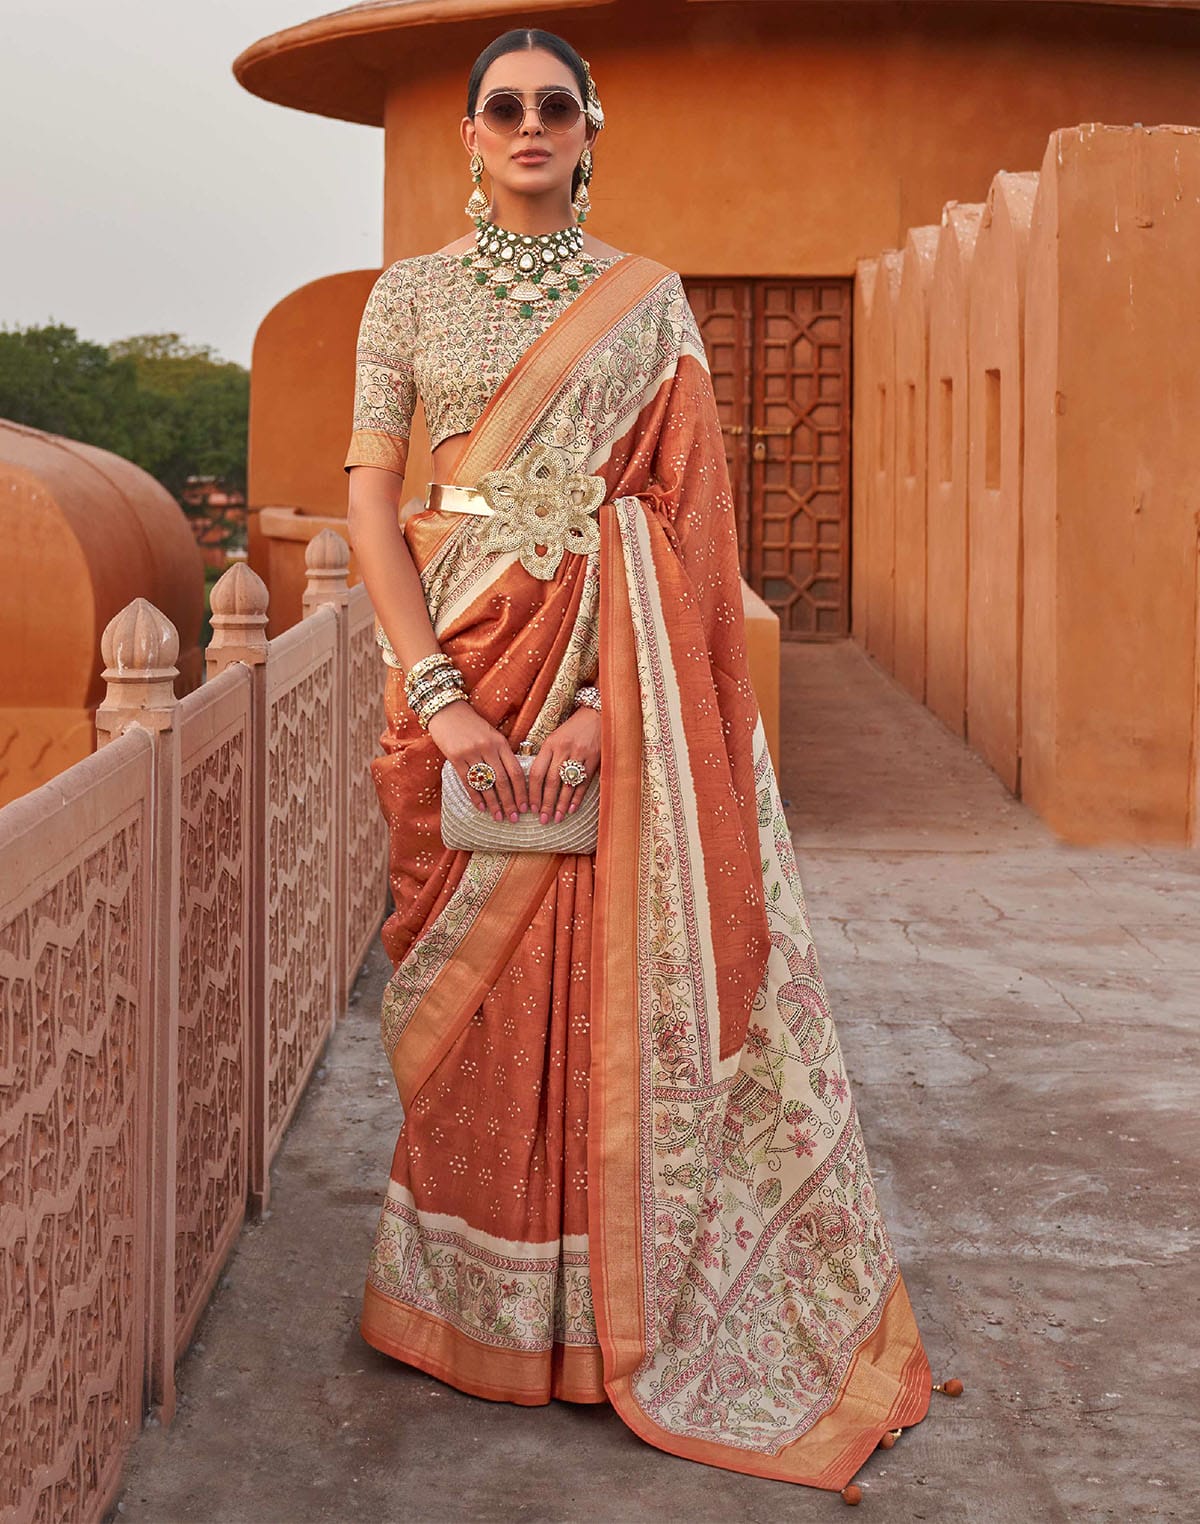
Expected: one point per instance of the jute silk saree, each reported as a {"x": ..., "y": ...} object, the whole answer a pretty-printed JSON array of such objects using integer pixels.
[{"x": 631, "y": 1167}]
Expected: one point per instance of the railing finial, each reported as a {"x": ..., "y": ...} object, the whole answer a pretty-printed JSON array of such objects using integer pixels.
[
  {"x": 238, "y": 602},
  {"x": 327, "y": 562},
  {"x": 139, "y": 646}
]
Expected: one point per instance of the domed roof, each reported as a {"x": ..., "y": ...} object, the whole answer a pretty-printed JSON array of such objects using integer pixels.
[
  {"x": 85, "y": 531},
  {"x": 337, "y": 64}
]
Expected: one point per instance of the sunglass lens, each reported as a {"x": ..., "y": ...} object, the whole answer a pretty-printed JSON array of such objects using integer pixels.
[
  {"x": 560, "y": 111},
  {"x": 503, "y": 113}
]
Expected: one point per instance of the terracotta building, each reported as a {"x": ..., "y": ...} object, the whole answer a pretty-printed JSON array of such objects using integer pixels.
[
  {"x": 85, "y": 532},
  {"x": 765, "y": 149}
]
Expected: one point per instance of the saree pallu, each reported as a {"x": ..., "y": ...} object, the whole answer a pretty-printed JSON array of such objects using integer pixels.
[{"x": 630, "y": 1167}]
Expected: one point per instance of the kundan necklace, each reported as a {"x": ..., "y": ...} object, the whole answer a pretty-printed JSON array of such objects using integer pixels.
[{"x": 530, "y": 270}]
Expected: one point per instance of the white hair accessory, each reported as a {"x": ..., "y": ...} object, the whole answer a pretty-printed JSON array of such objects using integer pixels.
[{"x": 592, "y": 108}]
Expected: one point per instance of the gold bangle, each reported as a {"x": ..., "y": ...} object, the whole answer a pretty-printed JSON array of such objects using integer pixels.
[
  {"x": 427, "y": 664},
  {"x": 438, "y": 701},
  {"x": 420, "y": 691}
]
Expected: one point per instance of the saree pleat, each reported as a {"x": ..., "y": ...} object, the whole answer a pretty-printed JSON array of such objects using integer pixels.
[
  {"x": 630, "y": 1165},
  {"x": 479, "y": 1273}
]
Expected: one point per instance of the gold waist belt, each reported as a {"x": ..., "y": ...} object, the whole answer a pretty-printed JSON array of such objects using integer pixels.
[
  {"x": 540, "y": 509},
  {"x": 452, "y": 498}
]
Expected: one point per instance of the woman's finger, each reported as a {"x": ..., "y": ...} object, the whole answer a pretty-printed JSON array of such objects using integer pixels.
[
  {"x": 514, "y": 780},
  {"x": 520, "y": 782},
  {"x": 537, "y": 780},
  {"x": 490, "y": 800},
  {"x": 473, "y": 794},
  {"x": 503, "y": 804},
  {"x": 591, "y": 761},
  {"x": 572, "y": 795},
  {"x": 561, "y": 796},
  {"x": 551, "y": 787}
]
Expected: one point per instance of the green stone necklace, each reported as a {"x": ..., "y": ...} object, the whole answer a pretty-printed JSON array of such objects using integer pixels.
[{"x": 530, "y": 270}]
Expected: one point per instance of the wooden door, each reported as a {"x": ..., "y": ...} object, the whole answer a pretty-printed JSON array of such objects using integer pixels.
[{"x": 779, "y": 353}]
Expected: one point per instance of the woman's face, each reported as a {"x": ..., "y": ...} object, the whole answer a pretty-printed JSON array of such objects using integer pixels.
[{"x": 529, "y": 161}]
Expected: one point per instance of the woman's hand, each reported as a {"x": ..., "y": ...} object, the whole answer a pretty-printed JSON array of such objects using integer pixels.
[
  {"x": 579, "y": 737},
  {"x": 463, "y": 736}
]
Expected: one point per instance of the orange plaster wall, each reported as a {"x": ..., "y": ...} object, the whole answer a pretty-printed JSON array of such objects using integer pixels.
[
  {"x": 1113, "y": 483},
  {"x": 302, "y": 397},
  {"x": 879, "y": 343},
  {"x": 301, "y": 411},
  {"x": 1039, "y": 625},
  {"x": 790, "y": 139},
  {"x": 996, "y": 298},
  {"x": 912, "y": 340},
  {"x": 1063, "y": 500},
  {"x": 946, "y": 468},
  {"x": 873, "y": 117},
  {"x": 865, "y": 275}
]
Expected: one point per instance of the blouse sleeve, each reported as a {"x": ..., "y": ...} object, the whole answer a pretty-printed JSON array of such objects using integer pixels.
[{"x": 385, "y": 391}]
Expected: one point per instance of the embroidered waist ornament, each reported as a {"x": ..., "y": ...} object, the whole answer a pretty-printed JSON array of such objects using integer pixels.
[
  {"x": 541, "y": 508},
  {"x": 539, "y": 502}
]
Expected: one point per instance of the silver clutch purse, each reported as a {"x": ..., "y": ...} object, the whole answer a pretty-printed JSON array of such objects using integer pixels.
[{"x": 473, "y": 830}]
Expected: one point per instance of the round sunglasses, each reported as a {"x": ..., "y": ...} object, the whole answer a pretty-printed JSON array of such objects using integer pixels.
[{"x": 504, "y": 111}]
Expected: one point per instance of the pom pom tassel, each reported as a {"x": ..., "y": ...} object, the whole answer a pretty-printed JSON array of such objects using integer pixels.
[{"x": 852, "y": 1495}]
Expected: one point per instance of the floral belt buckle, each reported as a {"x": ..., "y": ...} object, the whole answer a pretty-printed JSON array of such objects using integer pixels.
[{"x": 542, "y": 502}]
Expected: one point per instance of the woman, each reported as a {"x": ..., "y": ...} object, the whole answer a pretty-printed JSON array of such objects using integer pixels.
[{"x": 630, "y": 1168}]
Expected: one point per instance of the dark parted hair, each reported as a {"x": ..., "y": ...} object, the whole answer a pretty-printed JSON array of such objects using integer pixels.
[{"x": 519, "y": 40}]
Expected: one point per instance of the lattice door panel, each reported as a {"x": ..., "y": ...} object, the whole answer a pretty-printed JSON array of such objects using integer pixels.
[
  {"x": 801, "y": 444},
  {"x": 786, "y": 408},
  {"x": 723, "y": 310}
]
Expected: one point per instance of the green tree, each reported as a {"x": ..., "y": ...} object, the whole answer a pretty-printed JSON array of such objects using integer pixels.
[{"x": 177, "y": 410}]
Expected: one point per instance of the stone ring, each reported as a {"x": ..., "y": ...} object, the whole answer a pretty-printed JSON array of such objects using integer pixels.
[
  {"x": 572, "y": 772},
  {"x": 481, "y": 776}
]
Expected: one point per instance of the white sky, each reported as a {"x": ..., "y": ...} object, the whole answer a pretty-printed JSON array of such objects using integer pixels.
[{"x": 142, "y": 190}]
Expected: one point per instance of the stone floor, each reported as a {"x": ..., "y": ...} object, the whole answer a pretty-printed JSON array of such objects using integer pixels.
[{"x": 1020, "y": 1020}]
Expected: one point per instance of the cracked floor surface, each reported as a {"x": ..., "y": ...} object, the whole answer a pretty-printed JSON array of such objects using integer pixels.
[{"x": 1020, "y": 1023}]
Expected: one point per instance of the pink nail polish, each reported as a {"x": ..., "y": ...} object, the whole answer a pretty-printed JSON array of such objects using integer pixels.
[{"x": 514, "y": 816}]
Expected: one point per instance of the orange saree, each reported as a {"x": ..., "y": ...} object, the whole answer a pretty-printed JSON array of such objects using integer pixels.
[{"x": 630, "y": 1167}]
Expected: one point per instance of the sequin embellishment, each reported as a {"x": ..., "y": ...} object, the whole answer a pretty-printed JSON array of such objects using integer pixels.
[{"x": 541, "y": 501}]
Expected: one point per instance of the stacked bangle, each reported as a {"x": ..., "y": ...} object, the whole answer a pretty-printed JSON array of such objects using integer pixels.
[
  {"x": 432, "y": 683},
  {"x": 431, "y": 706},
  {"x": 385, "y": 646},
  {"x": 588, "y": 695}
]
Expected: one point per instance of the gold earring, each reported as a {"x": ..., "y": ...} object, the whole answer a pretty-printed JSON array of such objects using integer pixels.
[
  {"x": 581, "y": 204},
  {"x": 477, "y": 205}
]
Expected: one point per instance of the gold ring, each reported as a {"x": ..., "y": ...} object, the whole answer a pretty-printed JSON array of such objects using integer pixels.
[
  {"x": 481, "y": 776},
  {"x": 572, "y": 772}
]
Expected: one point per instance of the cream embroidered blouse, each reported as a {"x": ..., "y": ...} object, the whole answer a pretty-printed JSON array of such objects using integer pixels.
[{"x": 429, "y": 327}]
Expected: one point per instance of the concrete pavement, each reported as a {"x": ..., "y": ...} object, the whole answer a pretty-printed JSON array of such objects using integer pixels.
[{"x": 1021, "y": 1022}]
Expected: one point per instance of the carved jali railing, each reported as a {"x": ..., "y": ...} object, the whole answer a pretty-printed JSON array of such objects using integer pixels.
[{"x": 181, "y": 917}]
